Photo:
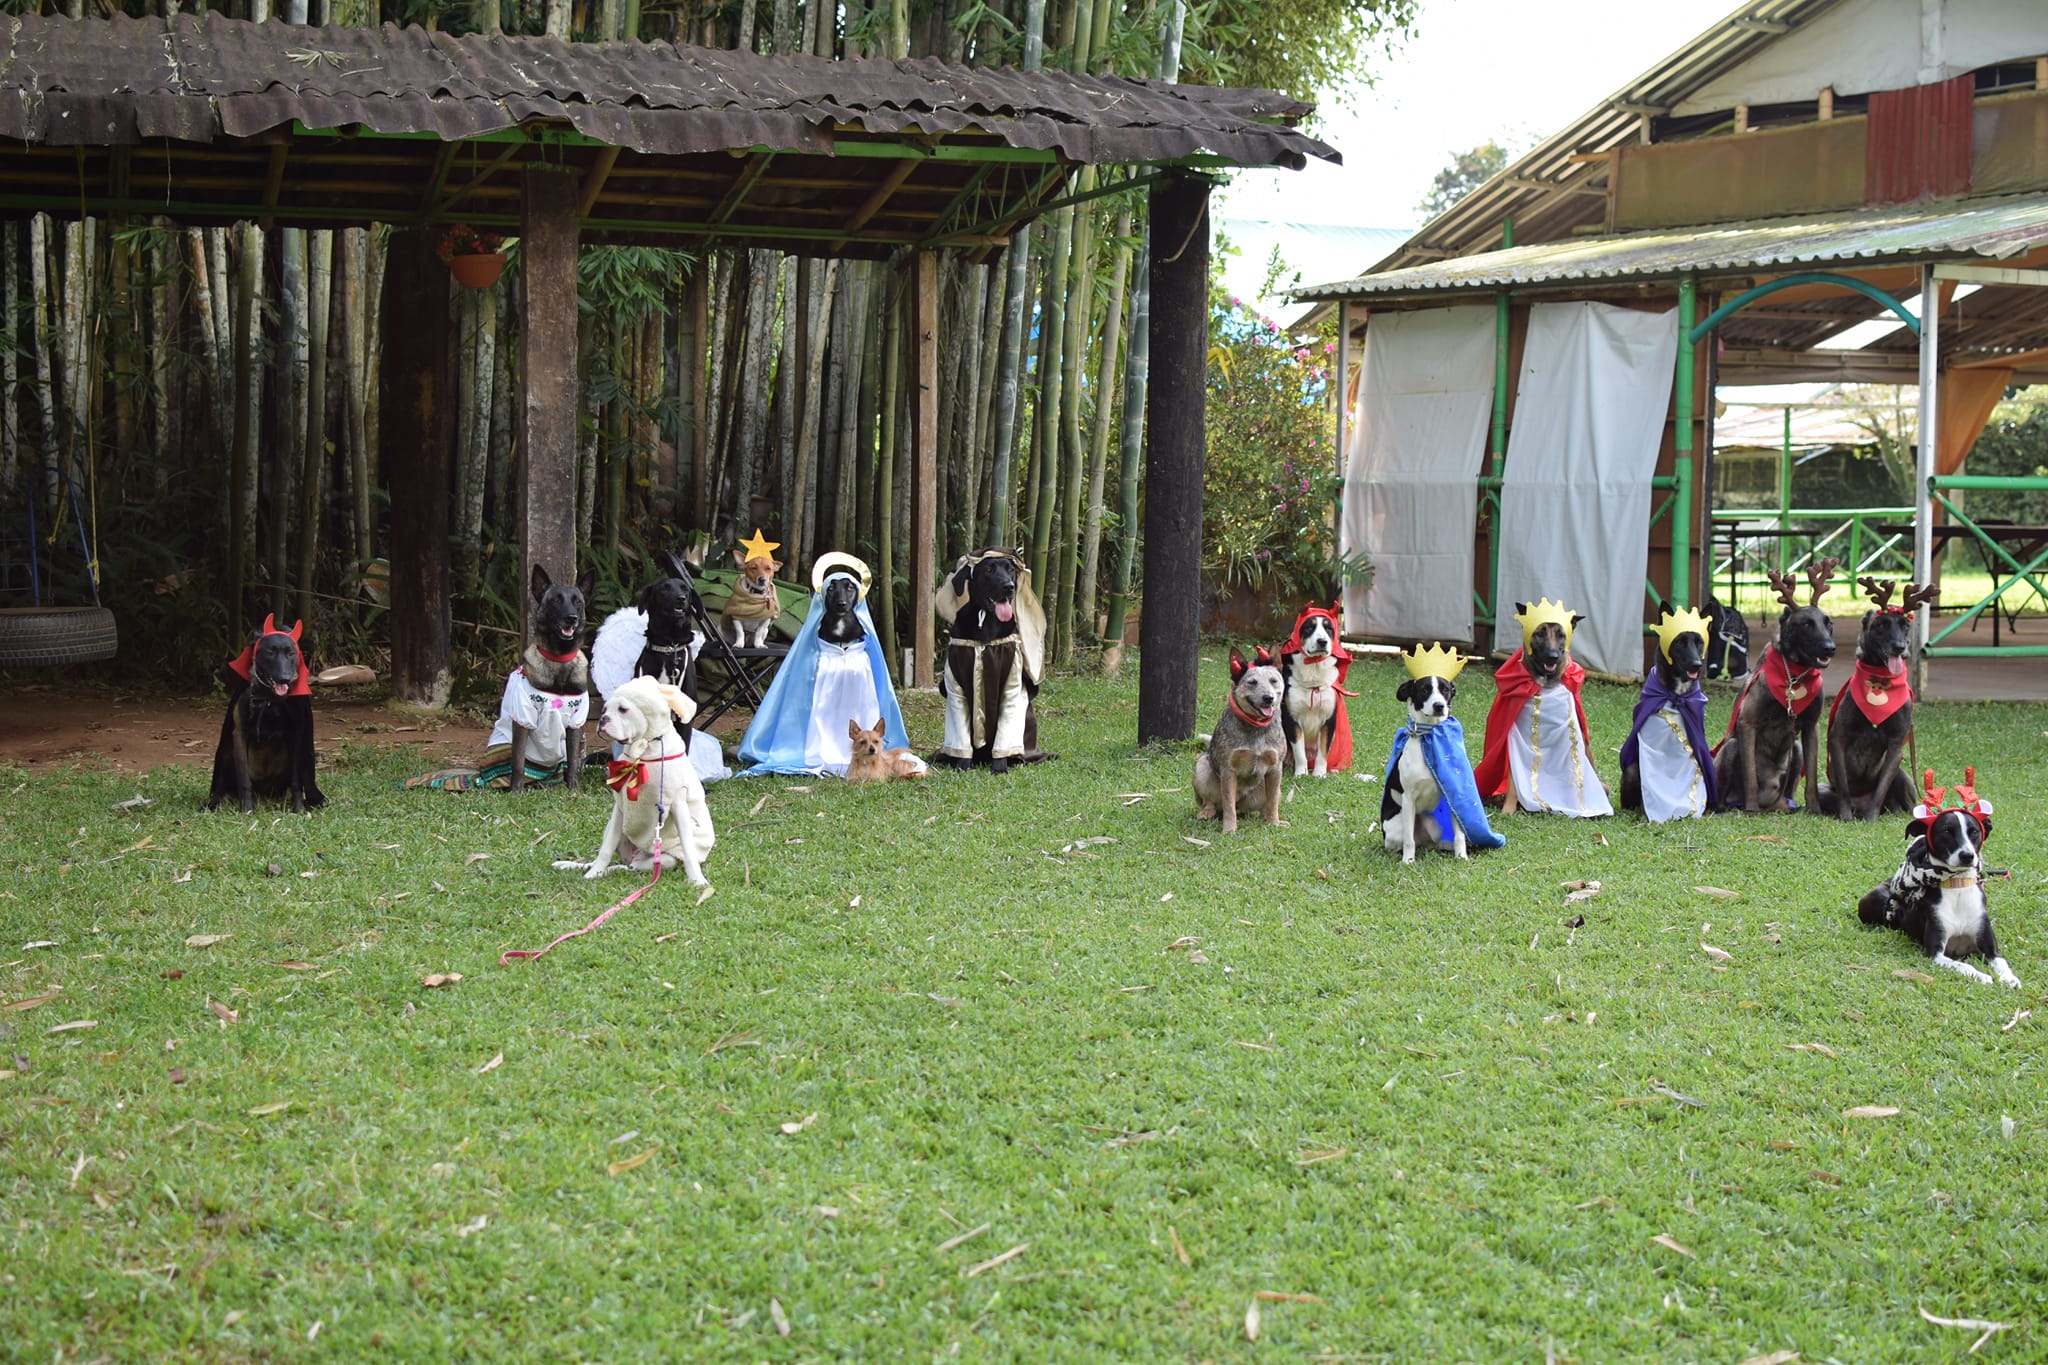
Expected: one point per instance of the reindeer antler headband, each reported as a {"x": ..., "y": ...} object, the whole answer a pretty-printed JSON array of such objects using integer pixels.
[{"x": 1880, "y": 595}]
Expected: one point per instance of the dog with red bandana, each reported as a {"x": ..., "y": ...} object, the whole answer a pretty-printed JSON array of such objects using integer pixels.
[
  {"x": 1866, "y": 736},
  {"x": 1239, "y": 773},
  {"x": 1315, "y": 720}
]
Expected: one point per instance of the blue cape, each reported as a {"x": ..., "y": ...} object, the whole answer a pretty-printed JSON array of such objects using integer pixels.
[
  {"x": 1443, "y": 748},
  {"x": 1692, "y": 718},
  {"x": 774, "y": 741}
]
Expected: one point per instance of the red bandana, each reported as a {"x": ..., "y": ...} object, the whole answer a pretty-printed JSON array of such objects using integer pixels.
[
  {"x": 1247, "y": 717},
  {"x": 1795, "y": 692},
  {"x": 629, "y": 775},
  {"x": 1877, "y": 690}
]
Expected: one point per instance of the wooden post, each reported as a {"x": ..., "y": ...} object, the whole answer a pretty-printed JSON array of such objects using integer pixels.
[
  {"x": 547, "y": 378},
  {"x": 1169, "y": 627},
  {"x": 416, "y": 414},
  {"x": 924, "y": 473}
]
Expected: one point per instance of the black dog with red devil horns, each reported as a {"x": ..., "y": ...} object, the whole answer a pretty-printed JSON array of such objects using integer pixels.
[{"x": 266, "y": 738}]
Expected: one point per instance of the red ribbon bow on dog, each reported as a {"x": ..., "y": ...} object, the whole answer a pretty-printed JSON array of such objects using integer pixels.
[{"x": 629, "y": 775}]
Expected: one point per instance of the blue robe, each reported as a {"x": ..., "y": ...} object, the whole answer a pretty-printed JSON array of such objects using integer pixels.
[
  {"x": 1443, "y": 748},
  {"x": 776, "y": 740}
]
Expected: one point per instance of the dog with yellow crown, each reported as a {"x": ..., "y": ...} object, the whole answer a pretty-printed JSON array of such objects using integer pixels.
[
  {"x": 1667, "y": 767},
  {"x": 1429, "y": 800},
  {"x": 1537, "y": 755}
]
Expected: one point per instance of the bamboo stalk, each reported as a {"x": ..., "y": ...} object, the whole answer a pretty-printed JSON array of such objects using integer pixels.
[
  {"x": 885, "y": 472},
  {"x": 10, "y": 292},
  {"x": 807, "y": 440},
  {"x": 242, "y": 463},
  {"x": 1098, "y": 458},
  {"x": 313, "y": 473}
]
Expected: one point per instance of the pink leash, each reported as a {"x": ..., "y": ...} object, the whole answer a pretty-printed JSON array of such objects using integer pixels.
[
  {"x": 511, "y": 955},
  {"x": 508, "y": 957}
]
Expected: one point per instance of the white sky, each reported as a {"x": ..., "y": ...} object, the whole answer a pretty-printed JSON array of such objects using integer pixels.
[{"x": 1474, "y": 70}]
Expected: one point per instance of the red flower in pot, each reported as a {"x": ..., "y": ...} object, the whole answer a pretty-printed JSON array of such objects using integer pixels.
[{"x": 474, "y": 258}]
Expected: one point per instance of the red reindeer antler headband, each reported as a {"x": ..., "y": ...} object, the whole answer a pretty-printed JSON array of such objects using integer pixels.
[{"x": 1936, "y": 803}]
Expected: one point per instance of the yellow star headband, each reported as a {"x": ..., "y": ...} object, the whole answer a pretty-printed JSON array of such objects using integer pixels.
[
  {"x": 1434, "y": 662},
  {"x": 1545, "y": 613},
  {"x": 1677, "y": 623},
  {"x": 758, "y": 546}
]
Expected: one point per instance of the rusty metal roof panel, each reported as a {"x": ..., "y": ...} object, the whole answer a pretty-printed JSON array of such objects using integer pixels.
[
  {"x": 1987, "y": 229},
  {"x": 192, "y": 77}
]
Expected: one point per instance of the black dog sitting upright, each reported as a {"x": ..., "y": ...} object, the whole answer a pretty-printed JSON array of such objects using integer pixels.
[
  {"x": 1868, "y": 734},
  {"x": 554, "y": 662},
  {"x": 1772, "y": 732},
  {"x": 266, "y": 738},
  {"x": 995, "y": 658}
]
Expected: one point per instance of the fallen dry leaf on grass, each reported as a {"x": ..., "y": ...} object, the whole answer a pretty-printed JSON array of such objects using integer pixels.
[
  {"x": 1870, "y": 1111},
  {"x": 274, "y": 1107},
  {"x": 1198, "y": 843},
  {"x": 1822, "y": 1048},
  {"x": 474, "y": 858},
  {"x": 176, "y": 1075},
  {"x": 34, "y": 944},
  {"x": 74, "y": 1025},
  {"x": 1718, "y": 954},
  {"x": 1280, "y": 1296},
  {"x": 440, "y": 979},
  {"x": 1908, "y": 974},
  {"x": 778, "y": 1317},
  {"x": 737, "y": 1038},
  {"x": 1251, "y": 1321},
  {"x": 15, "y": 1006},
  {"x": 492, "y": 1065},
  {"x": 476, "y": 1224},
  {"x": 633, "y": 1162},
  {"x": 960, "y": 1238},
  {"x": 1316, "y": 1156},
  {"x": 1669, "y": 1244},
  {"x": 205, "y": 940},
  {"x": 797, "y": 1126},
  {"x": 1989, "y": 1329},
  {"x": 223, "y": 1013},
  {"x": 1774, "y": 1358},
  {"x": 992, "y": 1262},
  {"x": 2007, "y": 1027},
  {"x": 1180, "y": 1252},
  {"x": 1719, "y": 893},
  {"x": 292, "y": 964}
]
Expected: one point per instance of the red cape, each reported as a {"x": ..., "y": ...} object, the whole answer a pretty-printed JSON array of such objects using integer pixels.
[
  {"x": 1513, "y": 686},
  {"x": 247, "y": 659},
  {"x": 1339, "y": 759}
]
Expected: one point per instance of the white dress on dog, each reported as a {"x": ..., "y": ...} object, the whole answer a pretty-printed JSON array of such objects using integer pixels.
[
  {"x": 1547, "y": 758},
  {"x": 1670, "y": 775},
  {"x": 548, "y": 715},
  {"x": 845, "y": 690}
]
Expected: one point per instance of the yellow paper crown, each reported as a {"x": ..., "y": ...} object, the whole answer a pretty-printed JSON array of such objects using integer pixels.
[
  {"x": 1677, "y": 623},
  {"x": 1544, "y": 613},
  {"x": 1434, "y": 662}
]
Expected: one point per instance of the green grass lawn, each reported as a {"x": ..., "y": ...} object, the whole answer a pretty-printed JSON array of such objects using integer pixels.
[{"x": 918, "y": 1028}]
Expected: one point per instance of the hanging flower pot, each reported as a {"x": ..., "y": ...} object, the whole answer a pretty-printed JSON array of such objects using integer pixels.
[
  {"x": 471, "y": 256},
  {"x": 477, "y": 271}
]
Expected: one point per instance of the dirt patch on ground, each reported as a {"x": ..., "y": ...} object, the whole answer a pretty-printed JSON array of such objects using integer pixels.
[{"x": 51, "y": 726}]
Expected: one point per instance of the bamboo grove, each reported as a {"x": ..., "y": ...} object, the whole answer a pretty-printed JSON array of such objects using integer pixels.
[{"x": 211, "y": 393}]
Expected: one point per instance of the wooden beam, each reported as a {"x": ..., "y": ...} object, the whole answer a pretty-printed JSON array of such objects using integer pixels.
[
  {"x": 872, "y": 205},
  {"x": 593, "y": 182},
  {"x": 924, "y": 477},
  {"x": 1991, "y": 274},
  {"x": 742, "y": 183},
  {"x": 547, "y": 378},
  {"x": 475, "y": 182},
  {"x": 416, "y": 425},
  {"x": 273, "y": 181},
  {"x": 444, "y": 160},
  {"x": 1169, "y": 632}
]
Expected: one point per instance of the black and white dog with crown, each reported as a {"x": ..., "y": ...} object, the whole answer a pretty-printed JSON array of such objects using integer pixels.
[{"x": 1936, "y": 898}]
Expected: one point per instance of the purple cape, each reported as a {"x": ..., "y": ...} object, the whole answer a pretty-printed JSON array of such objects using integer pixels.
[{"x": 1692, "y": 716}]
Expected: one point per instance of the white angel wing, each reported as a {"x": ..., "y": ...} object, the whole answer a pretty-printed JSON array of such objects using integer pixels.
[{"x": 619, "y": 642}]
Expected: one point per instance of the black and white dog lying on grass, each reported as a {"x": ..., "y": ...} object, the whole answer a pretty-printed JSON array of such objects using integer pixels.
[{"x": 1936, "y": 898}]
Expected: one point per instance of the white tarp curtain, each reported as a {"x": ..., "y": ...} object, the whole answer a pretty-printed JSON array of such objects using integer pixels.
[
  {"x": 1590, "y": 409},
  {"x": 1409, "y": 493}
]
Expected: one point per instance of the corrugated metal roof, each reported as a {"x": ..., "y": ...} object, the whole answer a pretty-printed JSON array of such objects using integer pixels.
[
  {"x": 1991, "y": 229},
  {"x": 115, "y": 81}
]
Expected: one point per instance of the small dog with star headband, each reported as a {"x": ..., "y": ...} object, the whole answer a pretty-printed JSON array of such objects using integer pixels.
[
  {"x": 1936, "y": 898},
  {"x": 753, "y": 605},
  {"x": 1866, "y": 737}
]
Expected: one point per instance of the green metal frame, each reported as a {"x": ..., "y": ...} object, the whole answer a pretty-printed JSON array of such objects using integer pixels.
[
  {"x": 1829, "y": 526},
  {"x": 1805, "y": 277},
  {"x": 2032, "y": 573}
]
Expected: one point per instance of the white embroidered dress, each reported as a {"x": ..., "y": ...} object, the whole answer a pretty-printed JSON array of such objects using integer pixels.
[
  {"x": 549, "y": 715},
  {"x": 1547, "y": 758},
  {"x": 1672, "y": 789}
]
